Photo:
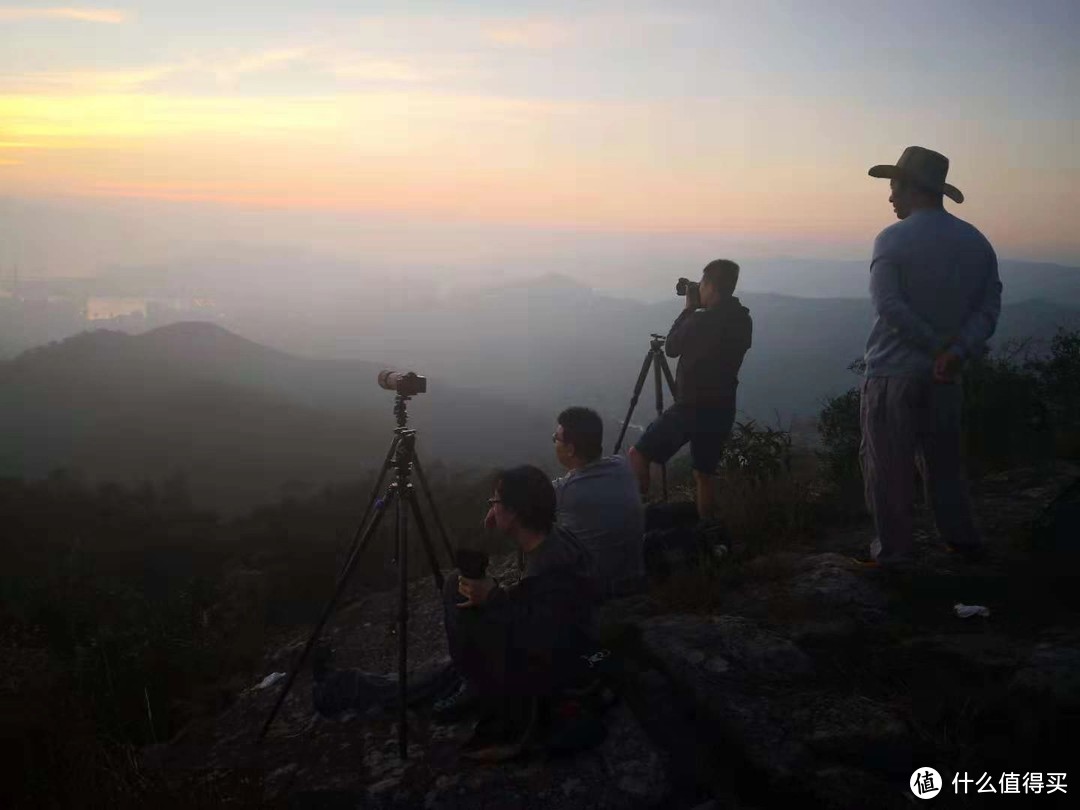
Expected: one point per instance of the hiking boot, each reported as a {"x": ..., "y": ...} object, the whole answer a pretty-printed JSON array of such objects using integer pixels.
[{"x": 459, "y": 704}]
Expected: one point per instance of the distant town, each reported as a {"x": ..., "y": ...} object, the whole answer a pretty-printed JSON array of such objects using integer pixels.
[{"x": 36, "y": 309}]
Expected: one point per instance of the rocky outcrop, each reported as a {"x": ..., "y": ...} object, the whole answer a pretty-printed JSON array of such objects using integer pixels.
[{"x": 810, "y": 682}]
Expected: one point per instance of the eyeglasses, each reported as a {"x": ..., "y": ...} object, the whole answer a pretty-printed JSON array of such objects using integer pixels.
[
  {"x": 494, "y": 501},
  {"x": 555, "y": 438}
]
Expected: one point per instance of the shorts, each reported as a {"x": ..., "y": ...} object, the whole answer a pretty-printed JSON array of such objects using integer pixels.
[{"x": 707, "y": 429}]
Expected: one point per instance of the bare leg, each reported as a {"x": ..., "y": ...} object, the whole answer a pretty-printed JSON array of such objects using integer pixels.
[
  {"x": 640, "y": 465},
  {"x": 705, "y": 495}
]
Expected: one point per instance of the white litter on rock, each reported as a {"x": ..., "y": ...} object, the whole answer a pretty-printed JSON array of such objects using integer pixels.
[
  {"x": 270, "y": 680},
  {"x": 966, "y": 611}
]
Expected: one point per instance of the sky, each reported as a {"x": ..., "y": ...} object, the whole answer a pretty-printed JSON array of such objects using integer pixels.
[{"x": 472, "y": 134}]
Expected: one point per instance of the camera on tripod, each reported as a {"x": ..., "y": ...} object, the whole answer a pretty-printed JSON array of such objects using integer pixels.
[
  {"x": 685, "y": 285},
  {"x": 407, "y": 383}
]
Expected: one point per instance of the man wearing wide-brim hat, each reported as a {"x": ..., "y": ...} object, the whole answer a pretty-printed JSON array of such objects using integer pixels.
[{"x": 935, "y": 288}]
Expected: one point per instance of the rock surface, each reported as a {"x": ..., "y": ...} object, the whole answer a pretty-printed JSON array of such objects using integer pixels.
[{"x": 810, "y": 682}]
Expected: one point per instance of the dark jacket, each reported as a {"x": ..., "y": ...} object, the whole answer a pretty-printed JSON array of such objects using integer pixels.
[
  {"x": 710, "y": 344},
  {"x": 549, "y": 616}
]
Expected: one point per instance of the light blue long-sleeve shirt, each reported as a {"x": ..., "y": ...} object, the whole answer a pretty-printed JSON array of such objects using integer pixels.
[{"x": 933, "y": 280}]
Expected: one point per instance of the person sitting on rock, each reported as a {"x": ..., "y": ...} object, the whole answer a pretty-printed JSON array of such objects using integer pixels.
[
  {"x": 515, "y": 645},
  {"x": 598, "y": 502}
]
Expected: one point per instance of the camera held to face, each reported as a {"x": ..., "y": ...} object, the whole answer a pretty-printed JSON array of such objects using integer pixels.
[{"x": 685, "y": 286}]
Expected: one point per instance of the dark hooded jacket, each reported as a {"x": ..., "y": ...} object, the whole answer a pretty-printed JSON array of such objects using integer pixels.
[{"x": 710, "y": 344}]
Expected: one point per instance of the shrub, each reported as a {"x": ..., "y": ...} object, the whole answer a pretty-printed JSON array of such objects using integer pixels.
[
  {"x": 838, "y": 427},
  {"x": 757, "y": 453},
  {"x": 1059, "y": 381}
]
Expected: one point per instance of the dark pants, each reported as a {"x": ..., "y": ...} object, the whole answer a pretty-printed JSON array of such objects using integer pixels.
[
  {"x": 498, "y": 665},
  {"x": 908, "y": 421},
  {"x": 478, "y": 646}
]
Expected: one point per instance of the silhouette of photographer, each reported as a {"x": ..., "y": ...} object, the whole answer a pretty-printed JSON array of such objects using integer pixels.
[{"x": 710, "y": 337}]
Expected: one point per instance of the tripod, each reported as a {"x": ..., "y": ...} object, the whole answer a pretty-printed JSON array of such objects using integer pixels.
[
  {"x": 403, "y": 459},
  {"x": 655, "y": 358}
]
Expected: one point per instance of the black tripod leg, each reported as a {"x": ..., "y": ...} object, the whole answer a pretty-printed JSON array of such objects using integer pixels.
[
  {"x": 403, "y": 621},
  {"x": 659, "y": 411},
  {"x": 667, "y": 373},
  {"x": 434, "y": 512},
  {"x": 634, "y": 398},
  {"x": 425, "y": 538},
  {"x": 353, "y": 550},
  {"x": 343, "y": 579}
]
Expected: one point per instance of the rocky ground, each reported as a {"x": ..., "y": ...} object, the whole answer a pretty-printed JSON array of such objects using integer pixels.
[{"x": 805, "y": 680}]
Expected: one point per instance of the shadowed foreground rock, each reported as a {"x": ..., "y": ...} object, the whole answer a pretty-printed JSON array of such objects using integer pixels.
[{"x": 811, "y": 682}]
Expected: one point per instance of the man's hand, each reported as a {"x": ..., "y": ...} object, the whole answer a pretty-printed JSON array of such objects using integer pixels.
[
  {"x": 947, "y": 365},
  {"x": 476, "y": 591},
  {"x": 693, "y": 298}
]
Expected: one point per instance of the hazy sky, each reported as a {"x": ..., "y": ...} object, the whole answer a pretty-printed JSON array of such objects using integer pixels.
[{"x": 439, "y": 132}]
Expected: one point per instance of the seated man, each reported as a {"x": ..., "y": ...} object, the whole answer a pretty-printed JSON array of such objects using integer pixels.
[
  {"x": 513, "y": 645},
  {"x": 597, "y": 501}
]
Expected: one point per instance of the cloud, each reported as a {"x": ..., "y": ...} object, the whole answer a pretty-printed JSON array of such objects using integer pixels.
[
  {"x": 93, "y": 81},
  {"x": 104, "y": 82},
  {"x": 97, "y": 15},
  {"x": 258, "y": 62},
  {"x": 539, "y": 34},
  {"x": 379, "y": 70}
]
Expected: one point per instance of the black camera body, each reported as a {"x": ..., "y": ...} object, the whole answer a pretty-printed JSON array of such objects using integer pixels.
[
  {"x": 407, "y": 384},
  {"x": 471, "y": 562},
  {"x": 685, "y": 285}
]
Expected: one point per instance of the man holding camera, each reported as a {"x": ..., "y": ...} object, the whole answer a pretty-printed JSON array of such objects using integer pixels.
[
  {"x": 513, "y": 645},
  {"x": 710, "y": 337}
]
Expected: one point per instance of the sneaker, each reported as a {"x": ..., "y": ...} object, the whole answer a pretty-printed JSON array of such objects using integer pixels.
[{"x": 459, "y": 704}]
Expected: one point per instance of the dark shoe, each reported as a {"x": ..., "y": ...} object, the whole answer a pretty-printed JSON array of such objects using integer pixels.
[
  {"x": 459, "y": 704},
  {"x": 501, "y": 736}
]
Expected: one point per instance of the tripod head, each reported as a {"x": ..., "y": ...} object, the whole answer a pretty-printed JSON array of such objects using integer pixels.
[{"x": 657, "y": 342}]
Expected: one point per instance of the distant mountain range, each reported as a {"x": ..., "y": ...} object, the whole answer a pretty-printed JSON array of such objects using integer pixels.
[
  {"x": 811, "y": 278},
  {"x": 239, "y": 420},
  {"x": 554, "y": 341},
  {"x": 244, "y": 416}
]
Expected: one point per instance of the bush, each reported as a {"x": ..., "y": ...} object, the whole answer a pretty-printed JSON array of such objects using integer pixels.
[
  {"x": 838, "y": 427},
  {"x": 1005, "y": 418},
  {"x": 1059, "y": 381},
  {"x": 757, "y": 453}
]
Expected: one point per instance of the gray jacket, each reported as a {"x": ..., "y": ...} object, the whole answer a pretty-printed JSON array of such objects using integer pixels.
[{"x": 600, "y": 505}]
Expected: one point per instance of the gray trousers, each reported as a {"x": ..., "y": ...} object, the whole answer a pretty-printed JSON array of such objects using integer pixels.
[{"x": 908, "y": 421}]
